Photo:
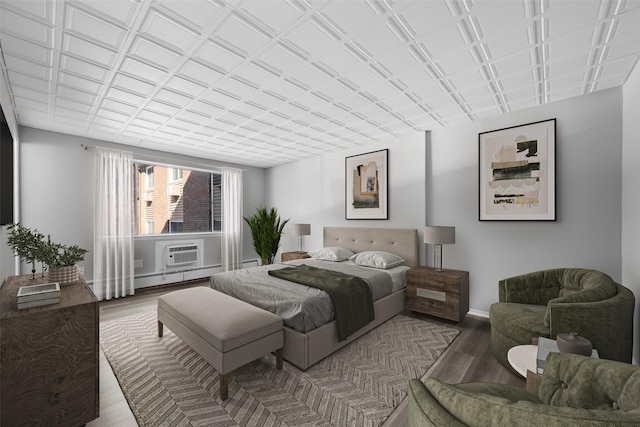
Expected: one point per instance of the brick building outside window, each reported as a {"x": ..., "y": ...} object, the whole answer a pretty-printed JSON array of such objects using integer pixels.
[{"x": 177, "y": 200}]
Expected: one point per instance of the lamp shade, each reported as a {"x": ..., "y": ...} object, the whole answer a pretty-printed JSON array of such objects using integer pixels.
[
  {"x": 439, "y": 235},
  {"x": 301, "y": 229}
]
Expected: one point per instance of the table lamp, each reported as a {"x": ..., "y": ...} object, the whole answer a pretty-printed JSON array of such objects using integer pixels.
[
  {"x": 301, "y": 230},
  {"x": 438, "y": 236}
]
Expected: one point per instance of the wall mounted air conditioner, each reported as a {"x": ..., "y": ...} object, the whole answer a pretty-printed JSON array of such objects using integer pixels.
[{"x": 182, "y": 254}]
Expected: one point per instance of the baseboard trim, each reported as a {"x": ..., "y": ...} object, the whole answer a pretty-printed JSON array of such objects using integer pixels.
[{"x": 479, "y": 313}]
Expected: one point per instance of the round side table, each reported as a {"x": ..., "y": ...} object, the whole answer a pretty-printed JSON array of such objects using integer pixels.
[{"x": 523, "y": 358}]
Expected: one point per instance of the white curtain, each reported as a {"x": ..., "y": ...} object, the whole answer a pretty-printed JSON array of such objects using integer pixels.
[
  {"x": 231, "y": 219},
  {"x": 113, "y": 225}
]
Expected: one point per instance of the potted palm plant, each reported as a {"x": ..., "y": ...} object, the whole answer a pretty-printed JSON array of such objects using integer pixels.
[{"x": 266, "y": 229}]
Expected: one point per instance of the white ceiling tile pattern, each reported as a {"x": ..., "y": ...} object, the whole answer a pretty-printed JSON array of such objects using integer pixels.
[{"x": 264, "y": 83}]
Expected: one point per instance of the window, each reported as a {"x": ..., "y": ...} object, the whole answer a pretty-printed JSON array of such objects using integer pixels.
[
  {"x": 175, "y": 226},
  {"x": 149, "y": 178},
  {"x": 172, "y": 199},
  {"x": 175, "y": 174}
]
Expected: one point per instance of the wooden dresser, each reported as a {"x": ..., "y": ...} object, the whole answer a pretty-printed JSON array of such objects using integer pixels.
[
  {"x": 49, "y": 357},
  {"x": 443, "y": 293}
]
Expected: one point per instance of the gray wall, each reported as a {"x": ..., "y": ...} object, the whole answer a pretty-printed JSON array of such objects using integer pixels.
[
  {"x": 313, "y": 191},
  {"x": 57, "y": 180},
  {"x": 587, "y": 232},
  {"x": 598, "y": 150},
  {"x": 630, "y": 199},
  {"x": 56, "y": 189}
]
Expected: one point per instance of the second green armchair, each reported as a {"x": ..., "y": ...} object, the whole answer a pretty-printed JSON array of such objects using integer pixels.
[
  {"x": 575, "y": 391},
  {"x": 549, "y": 302}
]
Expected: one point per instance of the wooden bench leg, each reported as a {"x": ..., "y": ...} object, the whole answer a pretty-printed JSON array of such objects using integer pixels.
[
  {"x": 224, "y": 386},
  {"x": 160, "y": 329},
  {"x": 279, "y": 353}
]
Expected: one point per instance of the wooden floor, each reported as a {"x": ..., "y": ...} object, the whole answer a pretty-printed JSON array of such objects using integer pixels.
[{"x": 468, "y": 359}]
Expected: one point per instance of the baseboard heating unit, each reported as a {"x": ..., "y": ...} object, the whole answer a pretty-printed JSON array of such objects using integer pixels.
[{"x": 182, "y": 274}]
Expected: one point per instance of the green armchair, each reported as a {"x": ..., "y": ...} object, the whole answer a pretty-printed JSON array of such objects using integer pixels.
[
  {"x": 575, "y": 391},
  {"x": 546, "y": 303}
]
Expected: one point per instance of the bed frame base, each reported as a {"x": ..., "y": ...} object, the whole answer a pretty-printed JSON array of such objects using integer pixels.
[{"x": 304, "y": 350}]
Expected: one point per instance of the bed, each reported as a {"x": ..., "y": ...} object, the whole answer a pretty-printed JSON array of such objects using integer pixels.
[{"x": 307, "y": 342}]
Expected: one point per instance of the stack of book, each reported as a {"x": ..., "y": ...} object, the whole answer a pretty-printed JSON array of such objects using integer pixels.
[{"x": 36, "y": 295}]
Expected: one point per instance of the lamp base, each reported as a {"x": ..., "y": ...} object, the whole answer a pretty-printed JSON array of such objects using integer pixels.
[{"x": 437, "y": 257}]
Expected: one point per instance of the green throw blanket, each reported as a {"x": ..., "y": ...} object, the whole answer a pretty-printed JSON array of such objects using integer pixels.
[{"x": 350, "y": 295}]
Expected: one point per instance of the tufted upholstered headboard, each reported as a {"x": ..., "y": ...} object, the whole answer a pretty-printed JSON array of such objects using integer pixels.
[{"x": 400, "y": 241}]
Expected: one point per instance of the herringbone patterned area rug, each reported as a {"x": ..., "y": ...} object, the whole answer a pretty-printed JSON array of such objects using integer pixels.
[{"x": 168, "y": 384}]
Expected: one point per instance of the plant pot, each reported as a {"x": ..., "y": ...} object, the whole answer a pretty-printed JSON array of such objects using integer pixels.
[{"x": 64, "y": 275}]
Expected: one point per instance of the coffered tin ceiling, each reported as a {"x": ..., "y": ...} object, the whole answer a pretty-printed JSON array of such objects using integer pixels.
[{"x": 266, "y": 82}]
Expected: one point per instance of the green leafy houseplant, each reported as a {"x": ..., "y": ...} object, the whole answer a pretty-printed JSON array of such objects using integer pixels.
[
  {"x": 55, "y": 255},
  {"x": 31, "y": 246},
  {"x": 62, "y": 260},
  {"x": 26, "y": 244},
  {"x": 266, "y": 229}
]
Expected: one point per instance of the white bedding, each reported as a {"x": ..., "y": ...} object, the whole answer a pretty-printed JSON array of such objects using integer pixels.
[{"x": 301, "y": 307}]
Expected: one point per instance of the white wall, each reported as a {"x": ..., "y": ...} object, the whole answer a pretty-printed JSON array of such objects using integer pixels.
[
  {"x": 587, "y": 232},
  {"x": 313, "y": 191},
  {"x": 56, "y": 192},
  {"x": 630, "y": 199}
]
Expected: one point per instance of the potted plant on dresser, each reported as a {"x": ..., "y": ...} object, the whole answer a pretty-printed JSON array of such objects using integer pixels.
[
  {"x": 26, "y": 244},
  {"x": 266, "y": 229},
  {"x": 61, "y": 260}
]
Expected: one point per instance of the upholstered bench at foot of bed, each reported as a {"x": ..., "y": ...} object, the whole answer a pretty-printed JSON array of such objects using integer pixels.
[{"x": 226, "y": 332}]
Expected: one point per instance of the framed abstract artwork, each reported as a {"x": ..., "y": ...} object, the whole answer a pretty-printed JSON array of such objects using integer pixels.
[
  {"x": 366, "y": 190},
  {"x": 517, "y": 173}
]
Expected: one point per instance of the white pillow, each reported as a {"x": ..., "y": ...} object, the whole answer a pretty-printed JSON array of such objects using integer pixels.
[
  {"x": 330, "y": 254},
  {"x": 377, "y": 259}
]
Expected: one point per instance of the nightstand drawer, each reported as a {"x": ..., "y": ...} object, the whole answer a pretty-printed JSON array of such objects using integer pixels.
[
  {"x": 440, "y": 284},
  {"x": 431, "y": 294},
  {"x": 290, "y": 256},
  {"x": 434, "y": 303}
]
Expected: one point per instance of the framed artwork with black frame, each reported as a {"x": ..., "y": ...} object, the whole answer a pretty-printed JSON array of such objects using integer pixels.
[
  {"x": 366, "y": 189},
  {"x": 517, "y": 176}
]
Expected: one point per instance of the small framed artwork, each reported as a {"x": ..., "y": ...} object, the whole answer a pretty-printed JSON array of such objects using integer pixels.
[
  {"x": 517, "y": 173},
  {"x": 366, "y": 191}
]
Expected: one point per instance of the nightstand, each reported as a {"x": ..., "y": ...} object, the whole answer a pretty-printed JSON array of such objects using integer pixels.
[
  {"x": 443, "y": 294},
  {"x": 290, "y": 256}
]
